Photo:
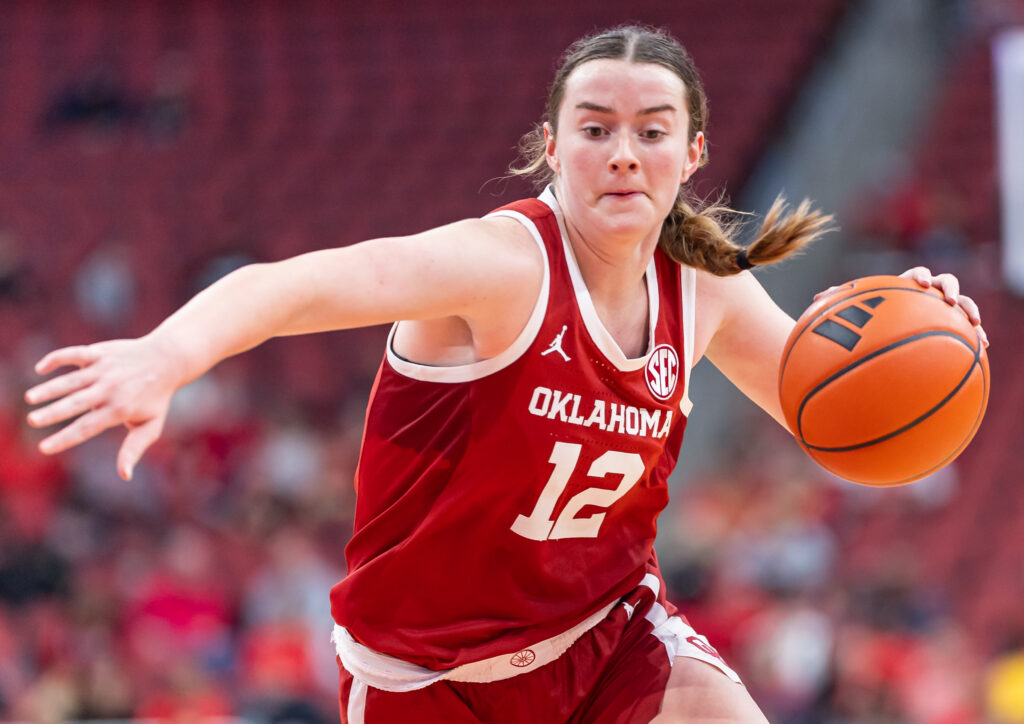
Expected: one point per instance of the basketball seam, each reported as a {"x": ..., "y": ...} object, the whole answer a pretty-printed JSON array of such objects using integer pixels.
[
  {"x": 967, "y": 438},
  {"x": 866, "y": 358}
]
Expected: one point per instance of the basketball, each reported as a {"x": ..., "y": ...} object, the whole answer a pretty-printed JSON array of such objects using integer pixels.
[{"x": 883, "y": 382}]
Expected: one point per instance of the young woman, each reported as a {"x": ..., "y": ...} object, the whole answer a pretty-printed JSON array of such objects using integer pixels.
[{"x": 526, "y": 416}]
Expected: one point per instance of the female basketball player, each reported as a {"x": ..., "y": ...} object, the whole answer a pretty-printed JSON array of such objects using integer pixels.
[{"x": 526, "y": 416}]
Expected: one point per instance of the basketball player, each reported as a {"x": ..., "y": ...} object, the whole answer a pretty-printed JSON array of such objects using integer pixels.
[{"x": 528, "y": 411}]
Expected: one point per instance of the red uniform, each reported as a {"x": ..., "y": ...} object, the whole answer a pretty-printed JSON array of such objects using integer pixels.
[{"x": 504, "y": 502}]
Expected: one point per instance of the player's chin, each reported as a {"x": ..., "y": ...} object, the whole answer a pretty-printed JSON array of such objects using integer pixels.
[{"x": 630, "y": 227}]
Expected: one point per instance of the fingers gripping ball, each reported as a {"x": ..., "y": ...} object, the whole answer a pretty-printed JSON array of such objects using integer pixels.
[{"x": 883, "y": 382}]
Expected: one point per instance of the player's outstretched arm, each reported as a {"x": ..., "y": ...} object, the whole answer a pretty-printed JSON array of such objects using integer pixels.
[{"x": 483, "y": 271}]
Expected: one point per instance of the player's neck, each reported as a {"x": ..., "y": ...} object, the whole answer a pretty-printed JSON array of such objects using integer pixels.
[
  {"x": 615, "y": 279},
  {"x": 613, "y": 269}
]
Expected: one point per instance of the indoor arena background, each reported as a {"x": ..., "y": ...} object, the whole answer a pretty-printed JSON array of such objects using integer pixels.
[{"x": 148, "y": 147}]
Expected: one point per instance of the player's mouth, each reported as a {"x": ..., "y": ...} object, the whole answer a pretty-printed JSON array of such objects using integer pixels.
[{"x": 624, "y": 194}]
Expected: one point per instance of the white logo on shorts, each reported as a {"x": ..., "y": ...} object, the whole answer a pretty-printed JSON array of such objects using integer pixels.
[{"x": 662, "y": 371}]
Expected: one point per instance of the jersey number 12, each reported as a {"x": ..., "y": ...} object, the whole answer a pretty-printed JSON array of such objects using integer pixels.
[{"x": 541, "y": 525}]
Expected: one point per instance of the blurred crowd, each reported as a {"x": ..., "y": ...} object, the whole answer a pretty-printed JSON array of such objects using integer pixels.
[{"x": 199, "y": 589}]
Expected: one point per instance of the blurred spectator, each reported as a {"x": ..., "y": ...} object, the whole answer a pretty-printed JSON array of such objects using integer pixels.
[
  {"x": 184, "y": 610},
  {"x": 289, "y": 601},
  {"x": 937, "y": 682},
  {"x": 97, "y": 99},
  {"x": 784, "y": 545},
  {"x": 100, "y": 101},
  {"x": 866, "y": 665},
  {"x": 106, "y": 287},
  {"x": 290, "y": 459},
  {"x": 102, "y": 491},
  {"x": 30, "y": 485},
  {"x": 30, "y": 570},
  {"x": 788, "y": 651},
  {"x": 16, "y": 275},
  {"x": 184, "y": 694},
  {"x": 104, "y": 689},
  {"x": 50, "y": 699}
]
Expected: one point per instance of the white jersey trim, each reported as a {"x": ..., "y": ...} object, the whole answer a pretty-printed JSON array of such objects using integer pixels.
[
  {"x": 601, "y": 337},
  {"x": 356, "y": 709},
  {"x": 688, "y": 285},
  {"x": 478, "y": 370}
]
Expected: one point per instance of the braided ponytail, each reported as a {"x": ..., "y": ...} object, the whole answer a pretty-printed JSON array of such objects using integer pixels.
[{"x": 704, "y": 238}]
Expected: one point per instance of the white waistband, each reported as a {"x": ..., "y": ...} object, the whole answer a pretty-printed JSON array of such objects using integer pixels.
[{"x": 389, "y": 673}]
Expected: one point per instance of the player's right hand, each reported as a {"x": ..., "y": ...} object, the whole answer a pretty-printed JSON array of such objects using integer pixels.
[{"x": 122, "y": 382}]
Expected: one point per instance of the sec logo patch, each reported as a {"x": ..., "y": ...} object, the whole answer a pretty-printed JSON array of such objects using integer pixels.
[{"x": 662, "y": 371}]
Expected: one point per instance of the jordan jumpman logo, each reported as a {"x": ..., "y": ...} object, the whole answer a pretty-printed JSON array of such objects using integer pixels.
[{"x": 556, "y": 345}]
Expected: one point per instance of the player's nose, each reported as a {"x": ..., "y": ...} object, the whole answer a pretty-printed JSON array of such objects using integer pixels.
[{"x": 624, "y": 157}]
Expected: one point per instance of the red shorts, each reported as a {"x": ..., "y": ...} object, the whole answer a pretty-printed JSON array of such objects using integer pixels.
[{"x": 615, "y": 672}]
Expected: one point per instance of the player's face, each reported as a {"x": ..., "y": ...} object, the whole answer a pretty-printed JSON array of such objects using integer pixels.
[{"x": 621, "y": 149}]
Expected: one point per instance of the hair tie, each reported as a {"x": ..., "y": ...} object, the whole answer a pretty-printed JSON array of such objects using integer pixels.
[{"x": 743, "y": 262}]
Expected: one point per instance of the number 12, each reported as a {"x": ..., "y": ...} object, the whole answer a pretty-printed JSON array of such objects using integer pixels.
[{"x": 539, "y": 525}]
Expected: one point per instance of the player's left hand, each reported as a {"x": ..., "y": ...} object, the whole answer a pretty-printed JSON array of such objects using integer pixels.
[{"x": 949, "y": 285}]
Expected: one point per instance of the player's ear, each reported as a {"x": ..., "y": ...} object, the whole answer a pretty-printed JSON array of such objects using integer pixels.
[
  {"x": 549, "y": 148},
  {"x": 694, "y": 157}
]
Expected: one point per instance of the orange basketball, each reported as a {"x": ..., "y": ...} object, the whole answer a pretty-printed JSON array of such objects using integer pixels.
[{"x": 883, "y": 382}]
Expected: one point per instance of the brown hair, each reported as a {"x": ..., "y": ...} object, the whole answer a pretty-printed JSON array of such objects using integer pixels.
[{"x": 694, "y": 234}]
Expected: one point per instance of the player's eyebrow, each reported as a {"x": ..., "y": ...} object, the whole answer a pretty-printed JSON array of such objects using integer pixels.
[{"x": 587, "y": 106}]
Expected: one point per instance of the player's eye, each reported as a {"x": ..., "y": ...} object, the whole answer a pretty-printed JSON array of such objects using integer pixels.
[
  {"x": 594, "y": 131},
  {"x": 652, "y": 134}
]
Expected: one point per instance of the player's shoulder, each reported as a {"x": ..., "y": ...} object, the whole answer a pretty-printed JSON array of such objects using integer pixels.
[
  {"x": 499, "y": 242},
  {"x": 491, "y": 265},
  {"x": 506, "y": 231}
]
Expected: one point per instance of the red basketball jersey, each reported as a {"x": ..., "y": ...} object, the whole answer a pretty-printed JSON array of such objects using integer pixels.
[{"x": 502, "y": 502}]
